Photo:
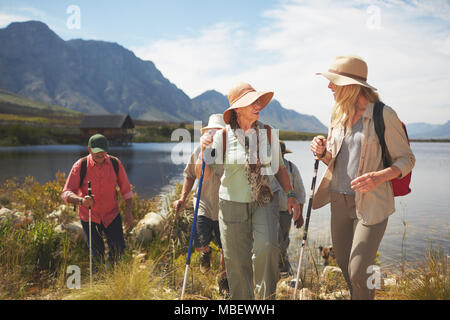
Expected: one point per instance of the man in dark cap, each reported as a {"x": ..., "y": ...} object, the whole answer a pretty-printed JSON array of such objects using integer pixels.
[{"x": 104, "y": 172}]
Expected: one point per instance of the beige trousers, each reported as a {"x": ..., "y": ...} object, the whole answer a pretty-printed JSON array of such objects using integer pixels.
[
  {"x": 249, "y": 236},
  {"x": 355, "y": 245}
]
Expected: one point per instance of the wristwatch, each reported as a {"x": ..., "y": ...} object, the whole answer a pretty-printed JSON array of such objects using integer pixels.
[
  {"x": 291, "y": 193},
  {"x": 80, "y": 202}
]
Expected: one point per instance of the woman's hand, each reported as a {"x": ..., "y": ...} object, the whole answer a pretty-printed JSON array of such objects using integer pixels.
[
  {"x": 319, "y": 146},
  {"x": 367, "y": 182},
  {"x": 206, "y": 139}
]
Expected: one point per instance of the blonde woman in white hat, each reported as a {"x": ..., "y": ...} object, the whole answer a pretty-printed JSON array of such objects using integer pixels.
[
  {"x": 248, "y": 205},
  {"x": 207, "y": 227},
  {"x": 356, "y": 182}
]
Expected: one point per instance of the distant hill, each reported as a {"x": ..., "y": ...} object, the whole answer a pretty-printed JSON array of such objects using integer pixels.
[
  {"x": 102, "y": 77},
  {"x": 87, "y": 76},
  {"x": 421, "y": 130},
  {"x": 274, "y": 114},
  {"x": 11, "y": 103}
]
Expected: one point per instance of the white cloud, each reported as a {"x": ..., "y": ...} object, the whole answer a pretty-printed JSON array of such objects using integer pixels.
[
  {"x": 6, "y": 19},
  {"x": 405, "y": 59},
  {"x": 21, "y": 14},
  {"x": 195, "y": 64},
  {"x": 406, "y": 45}
]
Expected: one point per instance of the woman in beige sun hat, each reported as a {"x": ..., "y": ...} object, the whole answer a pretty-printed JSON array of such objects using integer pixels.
[
  {"x": 248, "y": 194},
  {"x": 356, "y": 183}
]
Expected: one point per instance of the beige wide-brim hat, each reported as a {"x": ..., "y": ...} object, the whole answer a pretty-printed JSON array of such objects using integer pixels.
[
  {"x": 243, "y": 95},
  {"x": 215, "y": 122},
  {"x": 346, "y": 70}
]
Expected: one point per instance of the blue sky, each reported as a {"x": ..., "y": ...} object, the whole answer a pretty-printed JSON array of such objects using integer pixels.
[
  {"x": 131, "y": 22},
  {"x": 274, "y": 45}
]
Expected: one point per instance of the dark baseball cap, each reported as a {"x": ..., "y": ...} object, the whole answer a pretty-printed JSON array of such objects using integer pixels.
[{"x": 98, "y": 143}]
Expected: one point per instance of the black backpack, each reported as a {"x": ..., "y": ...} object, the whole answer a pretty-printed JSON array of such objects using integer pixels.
[
  {"x": 114, "y": 161},
  {"x": 399, "y": 186}
]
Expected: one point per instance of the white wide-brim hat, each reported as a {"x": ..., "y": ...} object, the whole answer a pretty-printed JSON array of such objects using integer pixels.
[
  {"x": 215, "y": 122},
  {"x": 346, "y": 70}
]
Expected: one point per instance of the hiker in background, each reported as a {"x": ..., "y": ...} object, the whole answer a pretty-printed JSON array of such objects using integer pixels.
[
  {"x": 248, "y": 194},
  {"x": 355, "y": 182},
  {"x": 285, "y": 217},
  {"x": 207, "y": 228},
  {"x": 104, "y": 172}
]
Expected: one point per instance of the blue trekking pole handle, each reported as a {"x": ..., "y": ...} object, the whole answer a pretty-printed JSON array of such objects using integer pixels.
[{"x": 194, "y": 222}]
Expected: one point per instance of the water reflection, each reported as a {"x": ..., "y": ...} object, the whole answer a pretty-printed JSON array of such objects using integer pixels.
[
  {"x": 425, "y": 211},
  {"x": 149, "y": 166}
]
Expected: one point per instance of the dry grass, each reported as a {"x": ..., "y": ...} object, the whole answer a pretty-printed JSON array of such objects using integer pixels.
[{"x": 34, "y": 259}]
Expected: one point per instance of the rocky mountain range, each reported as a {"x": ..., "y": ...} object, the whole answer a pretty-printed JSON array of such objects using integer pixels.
[
  {"x": 421, "y": 130},
  {"x": 102, "y": 77},
  {"x": 87, "y": 76}
]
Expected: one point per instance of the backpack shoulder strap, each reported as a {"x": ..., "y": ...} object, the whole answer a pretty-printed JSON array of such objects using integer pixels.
[
  {"x": 269, "y": 133},
  {"x": 83, "y": 170},
  {"x": 378, "y": 122},
  {"x": 224, "y": 139},
  {"x": 224, "y": 143},
  {"x": 115, "y": 163}
]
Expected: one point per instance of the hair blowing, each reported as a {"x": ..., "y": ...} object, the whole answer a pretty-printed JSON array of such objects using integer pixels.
[{"x": 346, "y": 99}]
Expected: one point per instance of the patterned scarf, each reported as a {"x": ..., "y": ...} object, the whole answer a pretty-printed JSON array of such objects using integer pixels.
[{"x": 260, "y": 185}]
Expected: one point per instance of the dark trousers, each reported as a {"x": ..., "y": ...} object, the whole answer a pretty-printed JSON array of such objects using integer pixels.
[
  {"x": 114, "y": 237},
  {"x": 285, "y": 219},
  {"x": 206, "y": 231}
]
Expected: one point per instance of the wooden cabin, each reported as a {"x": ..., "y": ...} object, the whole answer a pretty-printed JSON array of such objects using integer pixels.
[{"x": 117, "y": 128}]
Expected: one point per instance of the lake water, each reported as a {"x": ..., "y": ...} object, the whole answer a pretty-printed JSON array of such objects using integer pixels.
[{"x": 153, "y": 168}]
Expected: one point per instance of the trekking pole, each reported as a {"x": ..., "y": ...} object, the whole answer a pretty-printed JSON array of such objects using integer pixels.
[
  {"x": 305, "y": 232},
  {"x": 90, "y": 236},
  {"x": 194, "y": 222}
]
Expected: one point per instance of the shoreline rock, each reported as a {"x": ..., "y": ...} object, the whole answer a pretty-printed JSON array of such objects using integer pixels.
[{"x": 147, "y": 228}]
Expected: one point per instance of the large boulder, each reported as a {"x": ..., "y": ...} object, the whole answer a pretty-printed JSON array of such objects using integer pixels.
[
  {"x": 55, "y": 215},
  {"x": 16, "y": 218},
  {"x": 61, "y": 215},
  {"x": 6, "y": 214},
  {"x": 330, "y": 271},
  {"x": 335, "y": 294},
  {"x": 305, "y": 294},
  {"x": 286, "y": 287},
  {"x": 147, "y": 228},
  {"x": 389, "y": 283},
  {"x": 73, "y": 229}
]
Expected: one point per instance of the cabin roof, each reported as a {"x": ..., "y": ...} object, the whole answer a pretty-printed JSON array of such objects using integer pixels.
[{"x": 119, "y": 121}]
